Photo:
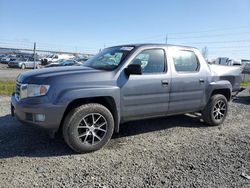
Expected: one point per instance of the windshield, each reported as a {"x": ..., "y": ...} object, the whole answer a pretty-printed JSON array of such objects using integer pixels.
[{"x": 109, "y": 58}]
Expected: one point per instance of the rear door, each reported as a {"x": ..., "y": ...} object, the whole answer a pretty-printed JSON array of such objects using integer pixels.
[
  {"x": 188, "y": 81},
  {"x": 147, "y": 95}
]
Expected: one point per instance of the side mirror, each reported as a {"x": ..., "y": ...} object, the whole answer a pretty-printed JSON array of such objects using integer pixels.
[{"x": 133, "y": 69}]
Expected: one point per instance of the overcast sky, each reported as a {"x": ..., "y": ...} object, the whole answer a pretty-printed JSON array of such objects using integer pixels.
[{"x": 86, "y": 26}]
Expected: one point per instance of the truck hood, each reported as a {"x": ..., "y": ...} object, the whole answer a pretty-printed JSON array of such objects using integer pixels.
[{"x": 44, "y": 75}]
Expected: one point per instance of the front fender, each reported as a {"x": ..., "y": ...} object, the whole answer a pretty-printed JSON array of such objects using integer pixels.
[{"x": 69, "y": 94}]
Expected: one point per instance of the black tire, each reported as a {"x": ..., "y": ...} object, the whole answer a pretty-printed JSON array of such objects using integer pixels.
[
  {"x": 211, "y": 114},
  {"x": 23, "y": 66},
  {"x": 81, "y": 115}
]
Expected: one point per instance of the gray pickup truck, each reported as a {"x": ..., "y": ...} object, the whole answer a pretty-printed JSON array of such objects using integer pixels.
[{"x": 121, "y": 84}]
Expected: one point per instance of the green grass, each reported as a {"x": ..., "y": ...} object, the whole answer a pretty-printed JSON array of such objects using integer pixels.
[
  {"x": 245, "y": 83},
  {"x": 7, "y": 87}
]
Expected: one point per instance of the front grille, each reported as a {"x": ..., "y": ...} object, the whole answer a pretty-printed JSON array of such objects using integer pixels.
[{"x": 18, "y": 86}]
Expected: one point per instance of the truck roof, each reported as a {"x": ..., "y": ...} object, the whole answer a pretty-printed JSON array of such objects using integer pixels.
[{"x": 157, "y": 45}]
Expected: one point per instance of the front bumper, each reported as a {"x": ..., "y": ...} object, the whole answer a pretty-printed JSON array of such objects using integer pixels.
[{"x": 25, "y": 111}]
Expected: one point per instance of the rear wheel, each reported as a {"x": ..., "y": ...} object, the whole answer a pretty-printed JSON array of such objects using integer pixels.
[
  {"x": 88, "y": 127},
  {"x": 216, "y": 110}
]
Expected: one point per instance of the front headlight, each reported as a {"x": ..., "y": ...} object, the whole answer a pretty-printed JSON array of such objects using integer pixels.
[{"x": 33, "y": 90}]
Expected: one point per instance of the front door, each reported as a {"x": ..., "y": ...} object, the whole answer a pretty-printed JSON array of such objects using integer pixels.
[{"x": 147, "y": 95}]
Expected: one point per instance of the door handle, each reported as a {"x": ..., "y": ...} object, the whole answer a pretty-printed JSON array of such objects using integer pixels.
[
  {"x": 201, "y": 80},
  {"x": 164, "y": 83}
]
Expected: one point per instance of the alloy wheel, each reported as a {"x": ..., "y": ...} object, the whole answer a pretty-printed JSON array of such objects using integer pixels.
[
  {"x": 219, "y": 110},
  {"x": 92, "y": 128}
]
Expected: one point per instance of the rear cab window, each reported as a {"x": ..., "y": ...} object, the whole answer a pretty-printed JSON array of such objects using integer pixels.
[{"x": 185, "y": 61}]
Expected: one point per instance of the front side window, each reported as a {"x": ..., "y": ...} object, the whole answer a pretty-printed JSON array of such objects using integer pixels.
[
  {"x": 151, "y": 61},
  {"x": 185, "y": 61},
  {"x": 109, "y": 58}
]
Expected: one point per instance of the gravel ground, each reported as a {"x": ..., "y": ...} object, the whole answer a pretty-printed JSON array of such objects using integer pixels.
[{"x": 174, "y": 151}]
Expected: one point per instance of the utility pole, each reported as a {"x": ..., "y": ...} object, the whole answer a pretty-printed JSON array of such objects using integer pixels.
[
  {"x": 34, "y": 56},
  {"x": 205, "y": 53},
  {"x": 166, "y": 40}
]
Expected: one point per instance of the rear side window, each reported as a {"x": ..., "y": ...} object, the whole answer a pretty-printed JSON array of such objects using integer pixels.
[{"x": 185, "y": 61}]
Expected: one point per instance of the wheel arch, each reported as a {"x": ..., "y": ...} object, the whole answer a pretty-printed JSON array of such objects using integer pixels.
[
  {"x": 222, "y": 87},
  {"x": 106, "y": 101},
  {"x": 226, "y": 92}
]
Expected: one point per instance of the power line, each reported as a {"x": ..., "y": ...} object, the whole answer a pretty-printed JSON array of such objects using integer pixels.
[
  {"x": 162, "y": 36},
  {"x": 208, "y": 36},
  {"x": 242, "y": 47},
  {"x": 42, "y": 44},
  {"x": 220, "y": 42},
  {"x": 210, "y": 30},
  {"x": 50, "y": 51}
]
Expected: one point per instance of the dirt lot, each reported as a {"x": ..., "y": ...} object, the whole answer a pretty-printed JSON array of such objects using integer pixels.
[{"x": 174, "y": 151}]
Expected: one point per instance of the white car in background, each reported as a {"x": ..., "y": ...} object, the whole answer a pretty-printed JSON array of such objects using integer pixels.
[
  {"x": 7, "y": 58},
  {"x": 55, "y": 57},
  {"x": 24, "y": 63}
]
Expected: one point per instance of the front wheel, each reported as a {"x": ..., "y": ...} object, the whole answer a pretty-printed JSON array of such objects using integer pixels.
[
  {"x": 88, "y": 128},
  {"x": 215, "y": 111}
]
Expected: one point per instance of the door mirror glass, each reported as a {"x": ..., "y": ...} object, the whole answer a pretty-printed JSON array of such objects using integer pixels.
[{"x": 133, "y": 69}]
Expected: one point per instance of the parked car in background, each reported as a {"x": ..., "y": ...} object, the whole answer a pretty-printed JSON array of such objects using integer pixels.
[
  {"x": 233, "y": 62},
  {"x": 24, "y": 63},
  {"x": 7, "y": 59},
  {"x": 227, "y": 61},
  {"x": 246, "y": 64},
  {"x": 1, "y": 56},
  {"x": 55, "y": 57},
  {"x": 64, "y": 62}
]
